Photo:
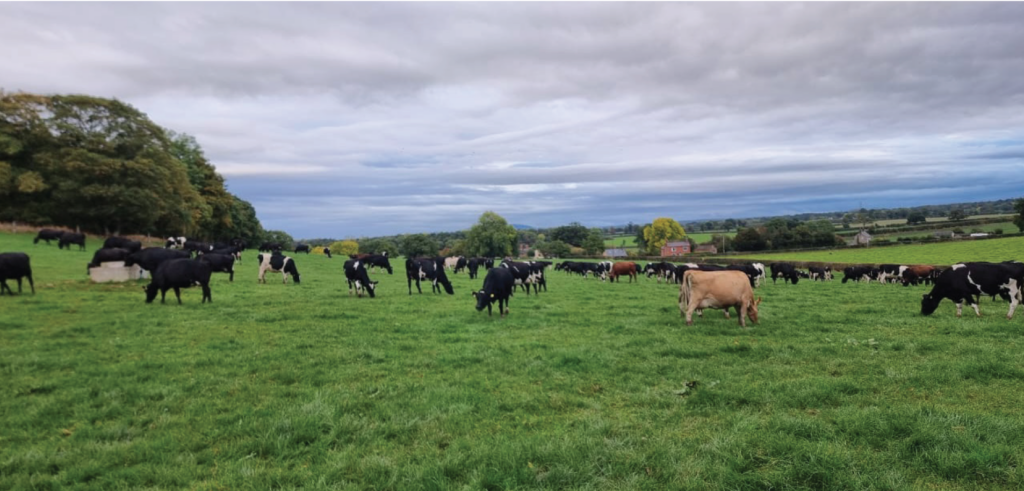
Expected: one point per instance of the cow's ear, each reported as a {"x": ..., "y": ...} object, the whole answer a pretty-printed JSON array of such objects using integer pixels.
[{"x": 758, "y": 301}]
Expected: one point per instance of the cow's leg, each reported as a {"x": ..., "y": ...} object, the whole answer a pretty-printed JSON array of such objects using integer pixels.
[
  {"x": 350, "y": 288},
  {"x": 741, "y": 310},
  {"x": 1015, "y": 294},
  {"x": 689, "y": 313},
  {"x": 31, "y": 284},
  {"x": 726, "y": 312},
  {"x": 976, "y": 309},
  {"x": 4, "y": 287},
  {"x": 163, "y": 295},
  {"x": 231, "y": 278},
  {"x": 959, "y": 308},
  {"x": 206, "y": 293},
  {"x": 284, "y": 278},
  {"x": 19, "y": 285},
  {"x": 177, "y": 293}
]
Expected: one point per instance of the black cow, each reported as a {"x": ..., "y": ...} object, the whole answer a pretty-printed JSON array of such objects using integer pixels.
[
  {"x": 785, "y": 271},
  {"x": 233, "y": 251},
  {"x": 196, "y": 247},
  {"x": 537, "y": 269},
  {"x": 15, "y": 266},
  {"x": 302, "y": 248},
  {"x": 68, "y": 238},
  {"x": 968, "y": 281},
  {"x": 747, "y": 269},
  {"x": 857, "y": 273},
  {"x": 327, "y": 251},
  {"x": 48, "y": 234},
  {"x": 106, "y": 255},
  {"x": 460, "y": 265},
  {"x": 355, "y": 273},
  {"x": 123, "y": 243},
  {"x": 150, "y": 258},
  {"x": 473, "y": 265},
  {"x": 220, "y": 263},
  {"x": 270, "y": 247},
  {"x": 277, "y": 263},
  {"x": 498, "y": 286},
  {"x": 178, "y": 274},
  {"x": 424, "y": 268}
]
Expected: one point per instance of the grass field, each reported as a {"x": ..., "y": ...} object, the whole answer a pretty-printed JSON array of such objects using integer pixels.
[
  {"x": 1006, "y": 227},
  {"x": 937, "y": 220},
  {"x": 584, "y": 387},
  {"x": 700, "y": 238},
  {"x": 941, "y": 253}
]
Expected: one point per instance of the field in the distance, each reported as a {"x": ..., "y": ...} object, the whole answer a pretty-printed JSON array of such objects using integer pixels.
[
  {"x": 939, "y": 253},
  {"x": 301, "y": 386}
]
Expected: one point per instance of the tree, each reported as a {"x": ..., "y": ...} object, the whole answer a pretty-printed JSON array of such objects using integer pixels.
[
  {"x": 847, "y": 220},
  {"x": 957, "y": 215},
  {"x": 492, "y": 236},
  {"x": 1018, "y": 219},
  {"x": 377, "y": 246},
  {"x": 640, "y": 241},
  {"x": 244, "y": 224},
  {"x": 660, "y": 232},
  {"x": 554, "y": 248},
  {"x": 279, "y": 237},
  {"x": 748, "y": 239},
  {"x": 345, "y": 248},
  {"x": 573, "y": 234},
  {"x": 418, "y": 245},
  {"x": 729, "y": 224},
  {"x": 915, "y": 218},
  {"x": 594, "y": 243}
]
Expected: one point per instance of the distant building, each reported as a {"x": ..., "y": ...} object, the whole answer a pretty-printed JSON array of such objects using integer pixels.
[
  {"x": 979, "y": 234},
  {"x": 706, "y": 249},
  {"x": 944, "y": 234},
  {"x": 862, "y": 238},
  {"x": 678, "y": 248},
  {"x": 524, "y": 249},
  {"x": 615, "y": 253}
]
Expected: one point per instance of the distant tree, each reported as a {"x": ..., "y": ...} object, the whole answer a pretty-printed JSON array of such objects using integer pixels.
[
  {"x": 492, "y": 236},
  {"x": 916, "y": 217},
  {"x": 748, "y": 239},
  {"x": 377, "y": 246},
  {"x": 418, "y": 245},
  {"x": 729, "y": 224},
  {"x": 345, "y": 248},
  {"x": 594, "y": 243},
  {"x": 639, "y": 240},
  {"x": 957, "y": 215},
  {"x": 554, "y": 248},
  {"x": 279, "y": 237},
  {"x": 660, "y": 232},
  {"x": 1018, "y": 219},
  {"x": 573, "y": 234}
]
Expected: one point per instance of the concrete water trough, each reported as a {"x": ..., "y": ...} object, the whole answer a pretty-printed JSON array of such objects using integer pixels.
[{"x": 115, "y": 272}]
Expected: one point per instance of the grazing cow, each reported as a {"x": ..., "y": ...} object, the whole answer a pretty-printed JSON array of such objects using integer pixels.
[
  {"x": 150, "y": 258},
  {"x": 47, "y": 234},
  {"x": 537, "y": 270},
  {"x": 761, "y": 277},
  {"x": 914, "y": 275},
  {"x": 857, "y": 273},
  {"x": 525, "y": 274},
  {"x": 785, "y": 271},
  {"x": 15, "y": 266},
  {"x": 175, "y": 242},
  {"x": 820, "y": 273},
  {"x": 355, "y": 273},
  {"x": 277, "y": 263},
  {"x": 178, "y": 274},
  {"x": 473, "y": 265},
  {"x": 460, "y": 265},
  {"x": 717, "y": 290},
  {"x": 327, "y": 252},
  {"x": 196, "y": 247},
  {"x": 425, "y": 268},
  {"x": 68, "y": 238},
  {"x": 220, "y": 263},
  {"x": 889, "y": 273},
  {"x": 230, "y": 250},
  {"x": 374, "y": 260},
  {"x": 106, "y": 255},
  {"x": 747, "y": 269},
  {"x": 625, "y": 268},
  {"x": 965, "y": 281},
  {"x": 270, "y": 247},
  {"x": 123, "y": 243},
  {"x": 451, "y": 262},
  {"x": 302, "y": 248},
  {"x": 498, "y": 286}
]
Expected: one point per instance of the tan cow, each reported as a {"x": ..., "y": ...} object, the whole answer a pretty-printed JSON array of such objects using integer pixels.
[{"x": 717, "y": 290}]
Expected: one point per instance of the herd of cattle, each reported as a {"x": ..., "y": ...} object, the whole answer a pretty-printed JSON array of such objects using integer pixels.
[{"x": 183, "y": 263}]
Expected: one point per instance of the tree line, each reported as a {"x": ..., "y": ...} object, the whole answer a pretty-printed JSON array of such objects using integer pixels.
[{"x": 102, "y": 166}]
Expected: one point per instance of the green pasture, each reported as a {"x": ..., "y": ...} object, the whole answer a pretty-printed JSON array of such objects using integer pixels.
[
  {"x": 587, "y": 386},
  {"x": 699, "y": 238},
  {"x": 940, "y": 253},
  {"x": 1006, "y": 227},
  {"x": 937, "y": 220}
]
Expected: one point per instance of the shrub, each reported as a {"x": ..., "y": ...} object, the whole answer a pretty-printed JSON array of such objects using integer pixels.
[{"x": 998, "y": 231}]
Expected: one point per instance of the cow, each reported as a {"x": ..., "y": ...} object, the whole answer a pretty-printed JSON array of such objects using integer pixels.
[
  {"x": 123, "y": 243},
  {"x": 450, "y": 263},
  {"x": 233, "y": 251},
  {"x": 425, "y": 268},
  {"x": 327, "y": 252},
  {"x": 355, "y": 273},
  {"x": 747, "y": 269},
  {"x": 15, "y": 266},
  {"x": 857, "y": 273},
  {"x": 374, "y": 260},
  {"x": 498, "y": 287},
  {"x": 473, "y": 265},
  {"x": 785, "y": 271},
  {"x": 460, "y": 265},
  {"x": 625, "y": 268},
  {"x": 717, "y": 290},
  {"x": 150, "y": 258},
  {"x": 761, "y": 277},
  {"x": 68, "y": 238},
  {"x": 277, "y": 263},
  {"x": 820, "y": 273},
  {"x": 175, "y": 242},
  {"x": 302, "y": 248},
  {"x": 48, "y": 234},
  {"x": 220, "y": 263},
  {"x": 178, "y": 274},
  {"x": 107, "y": 255},
  {"x": 537, "y": 270},
  {"x": 270, "y": 247},
  {"x": 889, "y": 273},
  {"x": 914, "y": 275},
  {"x": 965, "y": 281},
  {"x": 195, "y": 247},
  {"x": 524, "y": 274}
]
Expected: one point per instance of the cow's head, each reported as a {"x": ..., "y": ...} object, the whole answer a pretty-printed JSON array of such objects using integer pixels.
[
  {"x": 150, "y": 292},
  {"x": 752, "y": 311},
  {"x": 482, "y": 300},
  {"x": 929, "y": 303}
]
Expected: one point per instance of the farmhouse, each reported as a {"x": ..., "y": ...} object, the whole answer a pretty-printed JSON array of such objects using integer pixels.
[
  {"x": 944, "y": 234},
  {"x": 677, "y": 248},
  {"x": 862, "y": 238}
]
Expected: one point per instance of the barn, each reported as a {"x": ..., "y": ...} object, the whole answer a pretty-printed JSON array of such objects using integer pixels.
[{"x": 677, "y": 248}]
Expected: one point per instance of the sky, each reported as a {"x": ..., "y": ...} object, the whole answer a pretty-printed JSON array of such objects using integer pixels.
[{"x": 363, "y": 119}]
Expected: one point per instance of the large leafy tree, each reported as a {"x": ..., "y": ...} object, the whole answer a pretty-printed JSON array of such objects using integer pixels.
[
  {"x": 377, "y": 246},
  {"x": 572, "y": 234},
  {"x": 594, "y": 243},
  {"x": 660, "y": 232},
  {"x": 492, "y": 236},
  {"x": 345, "y": 248},
  {"x": 279, "y": 237},
  {"x": 417, "y": 245}
]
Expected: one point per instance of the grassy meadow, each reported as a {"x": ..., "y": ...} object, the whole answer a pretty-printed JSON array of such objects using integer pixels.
[
  {"x": 939, "y": 253},
  {"x": 583, "y": 387}
]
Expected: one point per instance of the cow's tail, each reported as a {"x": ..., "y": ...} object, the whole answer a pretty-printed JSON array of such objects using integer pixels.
[{"x": 684, "y": 292}]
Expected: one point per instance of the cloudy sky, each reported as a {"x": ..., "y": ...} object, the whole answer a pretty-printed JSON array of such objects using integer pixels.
[{"x": 345, "y": 120}]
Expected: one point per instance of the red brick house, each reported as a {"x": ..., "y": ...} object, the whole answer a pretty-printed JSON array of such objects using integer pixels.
[{"x": 677, "y": 248}]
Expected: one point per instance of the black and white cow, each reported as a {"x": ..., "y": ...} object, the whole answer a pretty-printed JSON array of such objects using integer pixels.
[
  {"x": 175, "y": 242},
  {"x": 747, "y": 269},
  {"x": 820, "y": 273},
  {"x": 355, "y": 273},
  {"x": 106, "y": 255},
  {"x": 178, "y": 274},
  {"x": 68, "y": 238},
  {"x": 150, "y": 258},
  {"x": 890, "y": 273},
  {"x": 498, "y": 287},
  {"x": 969, "y": 281},
  {"x": 786, "y": 271},
  {"x": 47, "y": 234},
  {"x": 270, "y": 247},
  {"x": 277, "y": 263},
  {"x": 302, "y": 248},
  {"x": 123, "y": 243},
  {"x": 233, "y": 251},
  {"x": 220, "y": 263},
  {"x": 15, "y": 266},
  {"x": 857, "y": 273},
  {"x": 524, "y": 274},
  {"x": 428, "y": 269},
  {"x": 327, "y": 252},
  {"x": 196, "y": 247}
]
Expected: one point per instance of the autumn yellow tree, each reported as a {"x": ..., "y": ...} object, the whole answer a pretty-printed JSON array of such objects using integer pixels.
[
  {"x": 345, "y": 248},
  {"x": 660, "y": 232}
]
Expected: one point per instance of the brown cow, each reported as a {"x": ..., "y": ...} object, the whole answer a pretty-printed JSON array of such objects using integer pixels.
[
  {"x": 717, "y": 290},
  {"x": 913, "y": 274},
  {"x": 623, "y": 269}
]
